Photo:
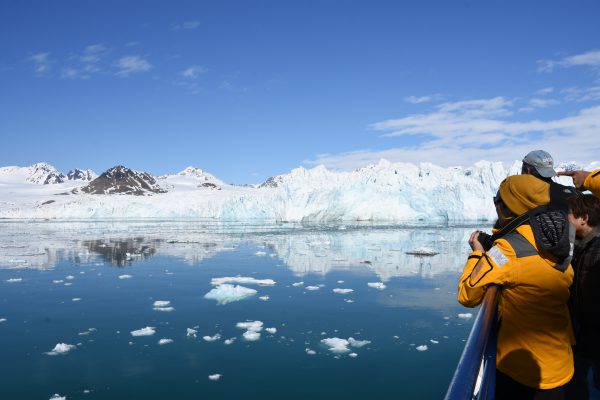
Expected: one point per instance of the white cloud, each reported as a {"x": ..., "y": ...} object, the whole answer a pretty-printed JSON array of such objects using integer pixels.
[
  {"x": 187, "y": 25},
  {"x": 464, "y": 132},
  {"x": 544, "y": 91},
  {"x": 193, "y": 72},
  {"x": 582, "y": 94},
  {"x": 132, "y": 64},
  {"x": 542, "y": 103},
  {"x": 41, "y": 63},
  {"x": 422, "y": 99},
  {"x": 588, "y": 59}
]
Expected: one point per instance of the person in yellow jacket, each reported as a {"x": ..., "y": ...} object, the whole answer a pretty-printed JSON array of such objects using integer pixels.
[
  {"x": 534, "y": 357},
  {"x": 585, "y": 180}
]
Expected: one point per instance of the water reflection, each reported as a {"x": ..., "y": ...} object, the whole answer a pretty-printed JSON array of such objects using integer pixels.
[{"x": 305, "y": 250}]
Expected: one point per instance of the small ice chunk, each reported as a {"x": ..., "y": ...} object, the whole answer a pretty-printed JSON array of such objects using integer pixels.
[
  {"x": 61, "y": 348},
  {"x": 422, "y": 347},
  {"x": 212, "y": 338},
  {"x": 358, "y": 343},
  {"x": 255, "y": 326},
  {"x": 310, "y": 352},
  {"x": 251, "y": 336},
  {"x": 312, "y": 288},
  {"x": 125, "y": 276},
  {"x": 147, "y": 331},
  {"x": 164, "y": 309},
  {"x": 214, "y": 377},
  {"x": 336, "y": 345},
  {"x": 342, "y": 291},
  {"x": 68, "y": 284},
  {"x": 296, "y": 284},
  {"x": 422, "y": 251},
  {"x": 434, "y": 341},
  {"x": 242, "y": 280},
  {"x": 161, "y": 303},
  {"x": 76, "y": 299},
  {"x": 264, "y": 298},
  {"x": 465, "y": 316},
  {"x": 165, "y": 341},
  {"x": 191, "y": 332},
  {"x": 349, "y": 300},
  {"x": 70, "y": 277},
  {"x": 229, "y": 341},
  {"x": 272, "y": 331},
  {"x": 353, "y": 355},
  {"x": 340, "y": 282},
  {"x": 377, "y": 285},
  {"x": 260, "y": 254},
  {"x": 227, "y": 293},
  {"x": 57, "y": 281},
  {"x": 14, "y": 280},
  {"x": 57, "y": 396},
  {"x": 2, "y": 319}
]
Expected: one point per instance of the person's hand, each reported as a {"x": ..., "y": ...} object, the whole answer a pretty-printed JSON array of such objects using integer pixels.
[
  {"x": 578, "y": 177},
  {"x": 474, "y": 242}
]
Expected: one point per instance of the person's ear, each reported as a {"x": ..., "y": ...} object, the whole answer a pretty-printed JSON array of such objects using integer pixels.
[{"x": 584, "y": 219}]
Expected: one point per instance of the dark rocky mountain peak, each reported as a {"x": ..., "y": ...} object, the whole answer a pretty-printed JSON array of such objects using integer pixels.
[{"x": 123, "y": 180}]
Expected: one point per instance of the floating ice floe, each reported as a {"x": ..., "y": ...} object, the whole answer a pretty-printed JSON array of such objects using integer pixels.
[
  {"x": 312, "y": 288},
  {"x": 336, "y": 345},
  {"x": 296, "y": 284},
  {"x": 162, "y": 342},
  {"x": 272, "y": 331},
  {"x": 353, "y": 355},
  {"x": 68, "y": 284},
  {"x": 164, "y": 309},
  {"x": 358, "y": 343},
  {"x": 76, "y": 299},
  {"x": 342, "y": 291},
  {"x": 349, "y": 300},
  {"x": 423, "y": 347},
  {"x": 191, "y": 332},
  {"x": 3, "y": 320},
  {"x": 264, "y": 298},
  {"x": 242, "y": 280},
  {"x": 57, "y": 281},
  {"x": 227, "y": 293},
  {"x": 434, "y": 341},
  {"x": 253, "y": 329},
  {"x": 229, "y": 341},
  {"x": 57, "y": 396},
  {"x": 69, "y": 277},
  {"x": 125, "y": 276},
  {"x": 61, "y": 348},
  {"x": 422, "y": 251},
  {"x": 88, "y": 332},
  {"x": 14, "y": 280},
  {"x": 465, "y": 316},
  {"x": 377, "y": 285},
  {"x": 214, "y": 377},
  {"x": 162, "y": 305},
  {"x": 212, "y": 338},
  {"x": 310, "y": 352},
  {"x": 147, "y": 331},
  {"x": 260, "y": 254}
]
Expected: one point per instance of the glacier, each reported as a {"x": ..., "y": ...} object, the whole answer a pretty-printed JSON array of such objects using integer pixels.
[{"x": 384, "y": 192}]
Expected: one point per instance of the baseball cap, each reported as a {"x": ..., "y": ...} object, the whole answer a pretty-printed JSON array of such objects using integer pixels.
[{"x": 542, "y": 162}]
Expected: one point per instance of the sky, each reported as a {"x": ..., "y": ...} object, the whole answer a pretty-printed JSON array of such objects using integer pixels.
[{"x": 253, "y": 88}]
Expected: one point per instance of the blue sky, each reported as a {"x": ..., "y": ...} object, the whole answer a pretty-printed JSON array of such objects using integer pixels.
[{"x": 249, "y": 89}]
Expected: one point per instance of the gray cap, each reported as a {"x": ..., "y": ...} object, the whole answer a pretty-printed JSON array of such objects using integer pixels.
[{"x": 542, "y": 162}]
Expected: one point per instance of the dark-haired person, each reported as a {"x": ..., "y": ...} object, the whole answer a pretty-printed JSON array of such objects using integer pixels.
[
  {"x": 585, "y": 180},
  {"x": 534, "y": 357},
  {"x": 539, "y": 163},
  {"x": 584, "y": 214}
]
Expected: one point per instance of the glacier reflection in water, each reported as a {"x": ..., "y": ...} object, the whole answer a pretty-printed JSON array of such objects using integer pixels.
[{"x": 116, "y": 272}]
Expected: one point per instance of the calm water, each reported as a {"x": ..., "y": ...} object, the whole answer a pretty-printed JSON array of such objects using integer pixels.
[{"x": 59, "y": 283}]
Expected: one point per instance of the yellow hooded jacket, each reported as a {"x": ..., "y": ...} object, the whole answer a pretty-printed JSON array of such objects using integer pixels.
[
  {"x": 592, "y": 182},
  {"x": 535, "y": 335}
]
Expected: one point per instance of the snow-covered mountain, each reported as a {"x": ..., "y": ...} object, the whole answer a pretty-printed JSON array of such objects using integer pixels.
[
  {"x": 81, "y": 175},
  {"x": 122, "y": 180},
  {"x": 384, "y": 192}
]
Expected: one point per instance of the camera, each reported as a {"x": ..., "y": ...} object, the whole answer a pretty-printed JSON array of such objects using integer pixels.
[{"x": 485, "y": 240}]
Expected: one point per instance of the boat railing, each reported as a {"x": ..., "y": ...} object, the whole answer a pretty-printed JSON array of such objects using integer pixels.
[{"x": 475, "y": 375}]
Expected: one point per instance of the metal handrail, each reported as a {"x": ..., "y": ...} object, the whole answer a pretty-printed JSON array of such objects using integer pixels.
[{"x": 480, "y": 350}]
